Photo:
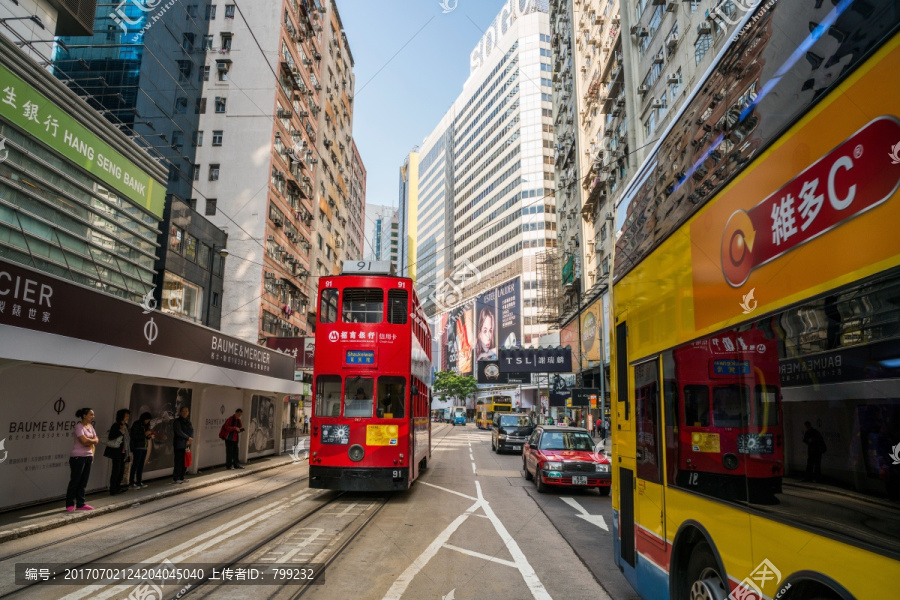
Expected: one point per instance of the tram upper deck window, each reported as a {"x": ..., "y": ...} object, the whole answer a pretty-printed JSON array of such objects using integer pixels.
[
  {"x": 766, "y": 406},
  {"x": 696, "y": 406},
  {"x": 398, "y": 307},
  {"x": 730, "y": 407},
  {"x": 328, "y": 396},
  {"x": 363, "y": 305},
  {"x": 359, "y": 399},
  {"x": 328, "y": 306},
  {"x": 391, "y": 397}
]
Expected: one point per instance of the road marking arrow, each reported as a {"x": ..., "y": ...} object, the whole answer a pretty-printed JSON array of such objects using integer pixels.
[{"x": 582, "y": 513}]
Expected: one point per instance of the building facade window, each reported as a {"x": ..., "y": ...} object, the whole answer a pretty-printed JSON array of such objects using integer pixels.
[
  {"x": 229, "y": 11},
  {"x": 220, "y": 104},
  {"x": 217, "y": 136},
  {"x": 214, "y": 172},
  {"x": 210, "y": 207},
  {"x": 701, "y": 47},
  {"x": 210, "y": 12}
]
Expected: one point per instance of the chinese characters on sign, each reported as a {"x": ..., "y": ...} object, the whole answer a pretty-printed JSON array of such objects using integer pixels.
[{"x": 532, "y": 360}]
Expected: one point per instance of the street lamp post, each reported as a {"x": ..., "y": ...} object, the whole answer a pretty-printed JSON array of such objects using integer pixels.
[{"x": 223, "y": 252}]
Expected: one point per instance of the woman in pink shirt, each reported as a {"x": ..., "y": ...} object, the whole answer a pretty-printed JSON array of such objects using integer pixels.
[{"x": 80, "y": 460}]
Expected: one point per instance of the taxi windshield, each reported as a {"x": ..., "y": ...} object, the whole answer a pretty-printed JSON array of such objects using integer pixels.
[{"x": 566, "y": 440}]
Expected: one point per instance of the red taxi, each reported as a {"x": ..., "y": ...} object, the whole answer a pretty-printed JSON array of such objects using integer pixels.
[{"x": 565, "y": 456}]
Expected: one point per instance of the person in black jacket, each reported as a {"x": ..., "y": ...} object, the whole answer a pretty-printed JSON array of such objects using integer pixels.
[
  {"x": 815, "y": 448},
  {"x": 233, "y": 427},
  {"x": 183, "y": 432},
  {"x": 119, "y": 455},
  {"x": 140, "y": 433}
]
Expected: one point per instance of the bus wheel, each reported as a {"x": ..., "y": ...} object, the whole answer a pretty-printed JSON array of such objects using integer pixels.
[
  {"x": 525, "y": 472},
  {"x": 703, "y": 575}
]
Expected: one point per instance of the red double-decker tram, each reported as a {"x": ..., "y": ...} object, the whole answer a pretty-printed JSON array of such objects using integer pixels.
[{"x": 370, "y": 429}]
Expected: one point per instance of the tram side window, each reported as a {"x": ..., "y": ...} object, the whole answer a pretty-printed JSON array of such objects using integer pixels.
[
  {"x": 696, "y": 406},
  {"x": 391, "y": 397},
  {"x": 358, "y": 397},
  {"x": 766, "y": 406},
  {"x": 328, "y": 306},
  {"x": 730, "y": 406},
  {"x": 398, "y": 307},
  {"x": 363, "y": 305},
  {"x": 328, "y": 396}
]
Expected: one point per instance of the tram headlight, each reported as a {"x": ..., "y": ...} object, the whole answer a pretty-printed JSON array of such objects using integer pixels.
[
  {"x": 356, "y": 452},
  {"x": 730, "y": 461}
]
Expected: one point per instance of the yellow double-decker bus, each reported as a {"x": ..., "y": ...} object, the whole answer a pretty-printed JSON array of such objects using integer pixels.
[
  {"x": 756, "y": 311},
  {"x": 484, "y": 412}
]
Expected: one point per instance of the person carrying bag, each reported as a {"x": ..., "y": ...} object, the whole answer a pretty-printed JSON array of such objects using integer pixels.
[{"x": 118, "y": 450}]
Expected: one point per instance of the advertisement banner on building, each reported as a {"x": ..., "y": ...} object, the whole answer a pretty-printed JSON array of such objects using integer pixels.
[
  {"x": 443, "y": 335},
  {"x": 217, "y": 406},
  {"x": 509, "y": 310},
  {"x": 164, "y": 404},
  {"x": 37, "y": 429},
  {"x": 585, "y": 397},
  {"x": 459, "y": 334},
  {"x": 592, "y": 333},
  {"x": 303, "y": 349},
  {"x": 486, "y": 330},
  {"x": 534, "y": 360},
  {"x": 489, "y": 373},
  {"x": 261, "y": 428},
  {"x": 568, "y": 338},
  {"x": 561, "y": 389}
]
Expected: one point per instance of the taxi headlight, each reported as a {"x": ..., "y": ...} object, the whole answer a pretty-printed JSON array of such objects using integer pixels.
[
  {"x": 553, "y": 466},
  {"x": 602, "y": 468},
  {"x": 501, "y": 436}
]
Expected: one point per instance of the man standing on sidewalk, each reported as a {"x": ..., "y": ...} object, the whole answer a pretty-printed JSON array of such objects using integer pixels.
[{"x": 232, "y": 428}]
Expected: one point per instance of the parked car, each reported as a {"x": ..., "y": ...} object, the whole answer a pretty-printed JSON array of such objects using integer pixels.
[
  {"x": 510, "y": 431},
  {"x": 565, "y": 456}
]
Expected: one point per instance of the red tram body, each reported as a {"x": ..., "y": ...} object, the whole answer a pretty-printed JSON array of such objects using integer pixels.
[
  {"x": 370, "y": 429},
  {"x": 730, "y": 430}
]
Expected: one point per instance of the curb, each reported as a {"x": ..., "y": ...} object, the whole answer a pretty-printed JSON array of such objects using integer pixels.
[{"x": 67, "y": 519}]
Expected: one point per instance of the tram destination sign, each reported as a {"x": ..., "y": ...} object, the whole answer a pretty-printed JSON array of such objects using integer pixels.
[{"x": 536, "y": 360}]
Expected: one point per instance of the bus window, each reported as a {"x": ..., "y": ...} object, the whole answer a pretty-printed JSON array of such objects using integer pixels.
[
  {"x": 696, "y": 406},
  {"x": 766, "y": 406},
  {"x": 363, "y": 305},
  {"x": 391, "y": 397},
  {"x": 398, "y": 307},
  {"x": 328, "y": 396},
  {"x": 328, "y": 306},
  {"x": 730, "y": 406},
  {"x": 358, "y": 397}
]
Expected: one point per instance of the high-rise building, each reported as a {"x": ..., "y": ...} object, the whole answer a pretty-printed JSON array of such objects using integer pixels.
[
  {"x": 32, "y": 25},
  {"x": 485, "y": 175},
  {"x": 356, "y": 208},
  {"x": 257, "y": 156},
  {"x": 408, "y": 216},
  {"x": 378, "y": 220},
  {"x": 338, "y": 218}
]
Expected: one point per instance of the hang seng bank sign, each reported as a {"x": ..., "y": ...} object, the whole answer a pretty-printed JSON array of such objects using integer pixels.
[
  {"x": 37, "y": 301},
  {"x": 34, "y": 113}
]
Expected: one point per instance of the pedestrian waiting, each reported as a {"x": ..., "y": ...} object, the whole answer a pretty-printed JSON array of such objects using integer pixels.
[
  {"x": 230, "y": 431},
  {"x": 118, "y": 450},
  {"x": 80, "y": 460},
  {"x": 140, "y": 433},
  {"x": 183, "y": 436}
]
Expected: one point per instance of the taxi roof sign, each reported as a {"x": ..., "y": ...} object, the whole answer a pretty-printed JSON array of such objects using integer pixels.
[{"x": 369, "y": 267}]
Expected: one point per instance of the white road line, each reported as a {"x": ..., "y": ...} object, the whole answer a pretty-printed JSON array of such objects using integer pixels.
[
  {"x": 473, "y": 498},
  {"x": 501, "y": 561},
  {"x": 473, "y": 469},
  {"x": 531, "y": 579},
  {"x": 402, "y": 582},
  {"x": 218, "y": 534}
]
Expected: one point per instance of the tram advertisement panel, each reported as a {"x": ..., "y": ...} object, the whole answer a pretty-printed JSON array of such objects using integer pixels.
[{"x": 831, "y": 185}]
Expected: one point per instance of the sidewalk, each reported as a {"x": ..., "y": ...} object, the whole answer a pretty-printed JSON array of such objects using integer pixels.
[{"x": 34, "y": 519}]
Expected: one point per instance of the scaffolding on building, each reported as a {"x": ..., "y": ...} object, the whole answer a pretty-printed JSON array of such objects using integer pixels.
[{"x": 548, "y": 287}]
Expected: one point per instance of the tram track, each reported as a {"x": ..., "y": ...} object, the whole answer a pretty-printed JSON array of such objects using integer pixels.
[
  {"x": 200, "y": 498},
  {"x": 146, "y": 537}
]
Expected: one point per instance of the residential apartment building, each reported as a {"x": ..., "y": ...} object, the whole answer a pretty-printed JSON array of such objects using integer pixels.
[
  {"x": 356, "y": 207},
  {"x": 338, "y": 216},
  {"x": 257, "y": 157},
  {"x": 631, "y": 67}
]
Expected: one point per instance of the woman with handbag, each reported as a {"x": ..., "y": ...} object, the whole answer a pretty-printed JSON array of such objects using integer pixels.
[
  {"x": 80, "y": 460},
  {"x": 118, "y": 450}
]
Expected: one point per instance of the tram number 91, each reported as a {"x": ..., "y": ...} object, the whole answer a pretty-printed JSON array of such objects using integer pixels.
[{"x": 397, "y": 474}]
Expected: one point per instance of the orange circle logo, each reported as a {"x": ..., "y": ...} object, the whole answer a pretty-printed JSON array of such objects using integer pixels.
[{"x": 737, "y": 248}]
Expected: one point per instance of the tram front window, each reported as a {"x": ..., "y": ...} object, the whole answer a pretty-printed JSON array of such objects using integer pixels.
[
  {"x": 730, "y": 406},
  {"x": 359, "y": 397},
  {"x": 328, "y": 396},
  {"x": 391, "y": 397}
]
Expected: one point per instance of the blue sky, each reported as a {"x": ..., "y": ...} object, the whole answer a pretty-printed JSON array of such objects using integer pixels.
[{"x": 399, "y": 99}]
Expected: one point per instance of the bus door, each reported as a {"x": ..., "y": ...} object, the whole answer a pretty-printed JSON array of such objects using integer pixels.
[{"x": 649, "y": 507}]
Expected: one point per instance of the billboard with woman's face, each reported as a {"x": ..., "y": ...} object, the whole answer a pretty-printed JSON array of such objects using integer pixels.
[{"x": 486, "y": 326}]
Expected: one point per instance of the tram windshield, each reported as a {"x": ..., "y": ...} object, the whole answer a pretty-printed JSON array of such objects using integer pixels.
[
  {"x": 391, "y": 396},
  {"x": 359, "y": 397}
]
